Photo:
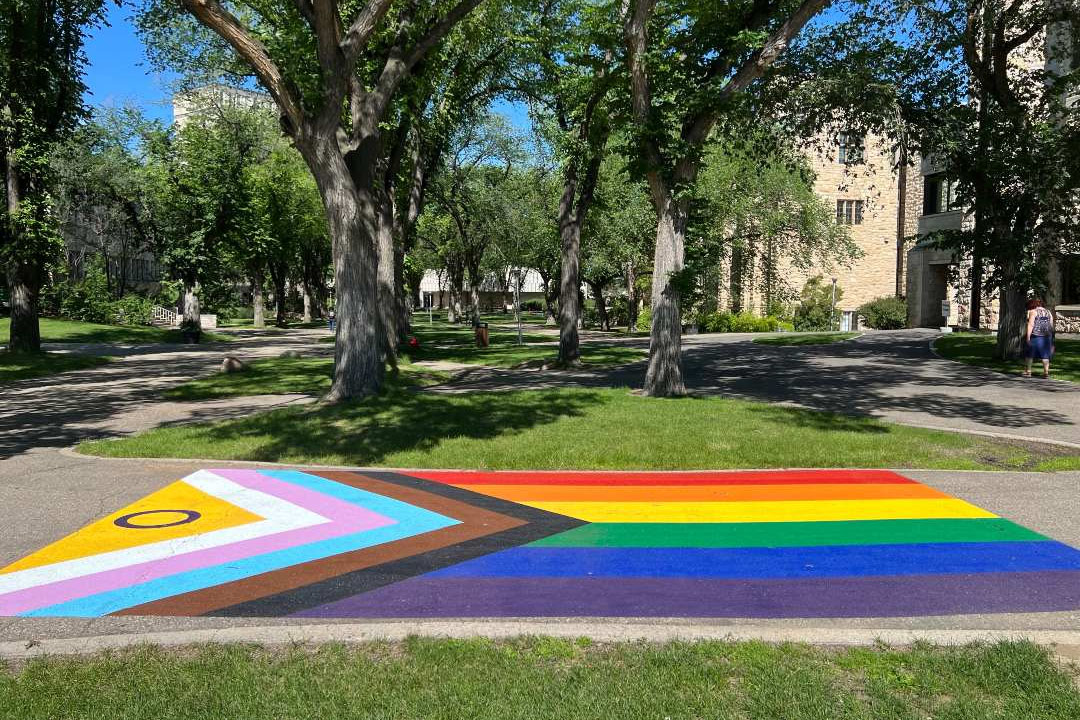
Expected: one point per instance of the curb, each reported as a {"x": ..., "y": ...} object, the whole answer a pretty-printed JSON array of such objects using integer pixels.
[
  {"x": 218, "y": 462},
  {"x": 352, "y": 633}
]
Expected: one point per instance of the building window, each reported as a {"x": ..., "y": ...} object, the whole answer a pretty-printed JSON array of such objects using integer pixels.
[
  {"x": 850, "y": 148},
  {"x": 849, "y": 212},
  {"x": 939, "y": 194}
]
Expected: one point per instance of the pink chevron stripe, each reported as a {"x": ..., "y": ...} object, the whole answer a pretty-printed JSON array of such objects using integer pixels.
[{"x": 345, "y": 518}]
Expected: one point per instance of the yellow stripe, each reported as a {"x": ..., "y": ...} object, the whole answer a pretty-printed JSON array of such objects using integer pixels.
[
  {"x": 778, "y": 511},
  {"x": 105, "y": 536}
]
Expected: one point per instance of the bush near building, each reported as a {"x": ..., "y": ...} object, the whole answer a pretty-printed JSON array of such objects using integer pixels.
[
  {"x": 884, "y": 313},
  {"x": 817, "y": 310},
  {"x": 743, "y": 322}
]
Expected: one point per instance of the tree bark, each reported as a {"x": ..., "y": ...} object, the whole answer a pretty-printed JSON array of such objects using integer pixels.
[
  {"x": 387, "y": 278},
  {"x": 307, "y": 302},
  {"x": 631, "y": 298},
  {"x": 1012, "y": 317},
  {"x": 24, "y": 277},
  {"x": 192, "y": 311},
  {"x": 601, "y": 306},
  {"x": 24, "y": 282},
  {"x": 279, "y": 298},
  {"x": 570, "y": 275},
  {"x": 350, "y": 210},
  {"x": 258, "y": 301},
  {"x": 664, "y": 376}
]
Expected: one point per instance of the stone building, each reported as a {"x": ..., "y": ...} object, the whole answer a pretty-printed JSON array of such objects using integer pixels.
[
  {"x": 938, "y": 282},
  {"x": 206, "y": 100},
  {"x": 877, "y": 198}
]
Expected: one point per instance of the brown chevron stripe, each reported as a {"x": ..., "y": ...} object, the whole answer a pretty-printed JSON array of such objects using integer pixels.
[{"x": 475, "y": 522}]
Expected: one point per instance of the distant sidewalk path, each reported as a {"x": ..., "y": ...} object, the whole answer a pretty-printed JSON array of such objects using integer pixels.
[
  {"x": 125, "y": 396},
  {"x": 890, "y": 375}
]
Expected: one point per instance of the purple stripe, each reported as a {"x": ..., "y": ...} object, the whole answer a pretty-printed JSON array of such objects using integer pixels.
[
  {"x": 884, "y": 596},
  {"x": 345, "y": 518}
]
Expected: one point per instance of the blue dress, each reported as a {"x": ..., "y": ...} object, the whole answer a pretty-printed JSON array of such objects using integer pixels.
[{"x": 1040, "y": 347}]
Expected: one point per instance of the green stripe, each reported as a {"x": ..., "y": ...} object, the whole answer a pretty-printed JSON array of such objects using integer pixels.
[{"x": 790, "y": 534}]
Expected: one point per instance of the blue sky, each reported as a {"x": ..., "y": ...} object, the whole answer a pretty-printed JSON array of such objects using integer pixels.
[{"x": 118, "y": 73}]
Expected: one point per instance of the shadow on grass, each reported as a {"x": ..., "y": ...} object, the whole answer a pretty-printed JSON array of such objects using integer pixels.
[{"x": 364, "y": 433}]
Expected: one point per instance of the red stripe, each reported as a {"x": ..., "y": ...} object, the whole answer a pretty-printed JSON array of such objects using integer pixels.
[{"x": 752, "y": 477}]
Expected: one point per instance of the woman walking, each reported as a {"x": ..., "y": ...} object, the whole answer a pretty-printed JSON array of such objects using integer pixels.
[{"x": 1039, "y": 336}]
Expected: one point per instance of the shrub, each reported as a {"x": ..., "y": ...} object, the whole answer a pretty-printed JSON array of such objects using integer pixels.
[
  {"x": 884, "y": 313},
  {"x": 644, "y": 319},
  {"x": 816, "y": 311},
  {"x": 132, "y": 310},
  {"x": 619, "y": 310},
  {"x": 744, "y": 322},
  {"x": 532, "y": 306}
]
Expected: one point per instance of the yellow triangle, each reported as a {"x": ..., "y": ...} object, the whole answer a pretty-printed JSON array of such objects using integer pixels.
[{"x": 105, "y": 535}]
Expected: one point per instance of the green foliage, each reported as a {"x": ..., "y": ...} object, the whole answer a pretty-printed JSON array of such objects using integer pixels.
[
  {"x": 884, "y": 313},
  {"x": 532, "y": 306},
  {"x": 89, "y": 299},
  {"x": 816, "y": 311},
  {"x": 644, "y": 319},
  {"x": 743, "y": 322}
]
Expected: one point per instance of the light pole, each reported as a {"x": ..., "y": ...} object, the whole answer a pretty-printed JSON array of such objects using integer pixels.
[{"x": 832, "y": 307}]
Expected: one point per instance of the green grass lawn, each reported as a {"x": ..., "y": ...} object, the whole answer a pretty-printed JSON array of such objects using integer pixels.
[
  {"x": 63, "y": 331},
  {"x": 279, "y": 376},
  {"x": 457, "y": 343},
  {"x": 806, "y": 338},
  {"x": 978, "y": 348},
  {"x": 530, "y": 678},
  {"x": 569, "y": 429},
  {"x": 20, "y": 366}
]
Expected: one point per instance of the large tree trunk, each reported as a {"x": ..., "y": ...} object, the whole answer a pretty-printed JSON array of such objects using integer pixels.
[
  {"x": 1012, "y": 318},
  {"x": 192, "y": 311},
  {"x": 24, "y": 281},
  {"x": 350, "y": 210},
  {"x": 664, "y": 376},
  {"x": 258, "y": 301},
  {"x": 601, "y": 306},
  {"x": 24, "y": 277},
  {"x": 307, "y": 301},
  {"x": 279, "y": 298},
  {"x": 569, "y": 278},
  {"x": 386, "y": 271}
]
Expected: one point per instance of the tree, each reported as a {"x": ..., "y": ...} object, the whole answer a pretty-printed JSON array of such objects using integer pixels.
[
  {"x": 288, "y": 226},
  {"x": 618, "y": 237},
  {"x": 573, "y": 60},
  {"x": 101, "y": 192},
  {"x": 334, "y": 73},
  {"x": 689, "y": 61},
  {"x": 198, "y": 179},
  {"x": 988, "y": 89},
  {"x": 41, "y": 66},
  {"x": 756, "y": 207}
]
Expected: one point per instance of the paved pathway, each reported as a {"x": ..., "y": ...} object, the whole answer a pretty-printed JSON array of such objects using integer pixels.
[
  {"x": 890, "y": 375},
  {"x": 124, "y": 396},
  {"x": 46, "y": 493}
]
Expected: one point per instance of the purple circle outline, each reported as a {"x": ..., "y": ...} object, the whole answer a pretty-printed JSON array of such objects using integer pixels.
[{"x": 124, "y": 521}]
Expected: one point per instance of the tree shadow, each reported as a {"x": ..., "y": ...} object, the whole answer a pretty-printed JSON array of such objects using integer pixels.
[
  {"x": 367, "y": 432},
  {"x": 879, "y": 374}
]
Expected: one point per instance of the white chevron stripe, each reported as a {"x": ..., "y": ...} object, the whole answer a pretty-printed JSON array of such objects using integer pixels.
[{"x": 280, "y": 515}]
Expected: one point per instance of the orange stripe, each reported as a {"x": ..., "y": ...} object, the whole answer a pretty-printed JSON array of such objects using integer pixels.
[{"x": 702, "y": 493}]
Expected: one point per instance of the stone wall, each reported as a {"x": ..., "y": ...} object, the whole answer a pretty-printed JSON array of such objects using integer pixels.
[{"x": 876, "y": 183}]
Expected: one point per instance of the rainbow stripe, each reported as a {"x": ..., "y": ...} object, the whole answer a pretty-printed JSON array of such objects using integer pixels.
[{"x": 739, "y": 544}]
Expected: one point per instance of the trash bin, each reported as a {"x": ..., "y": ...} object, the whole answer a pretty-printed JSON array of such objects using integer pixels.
[{"x": 481, "y": 330}]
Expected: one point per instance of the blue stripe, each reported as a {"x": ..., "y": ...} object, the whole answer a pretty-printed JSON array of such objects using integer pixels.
[
  {"x": 765, "y": 562},
  {"x": 412, "y": 521}
]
